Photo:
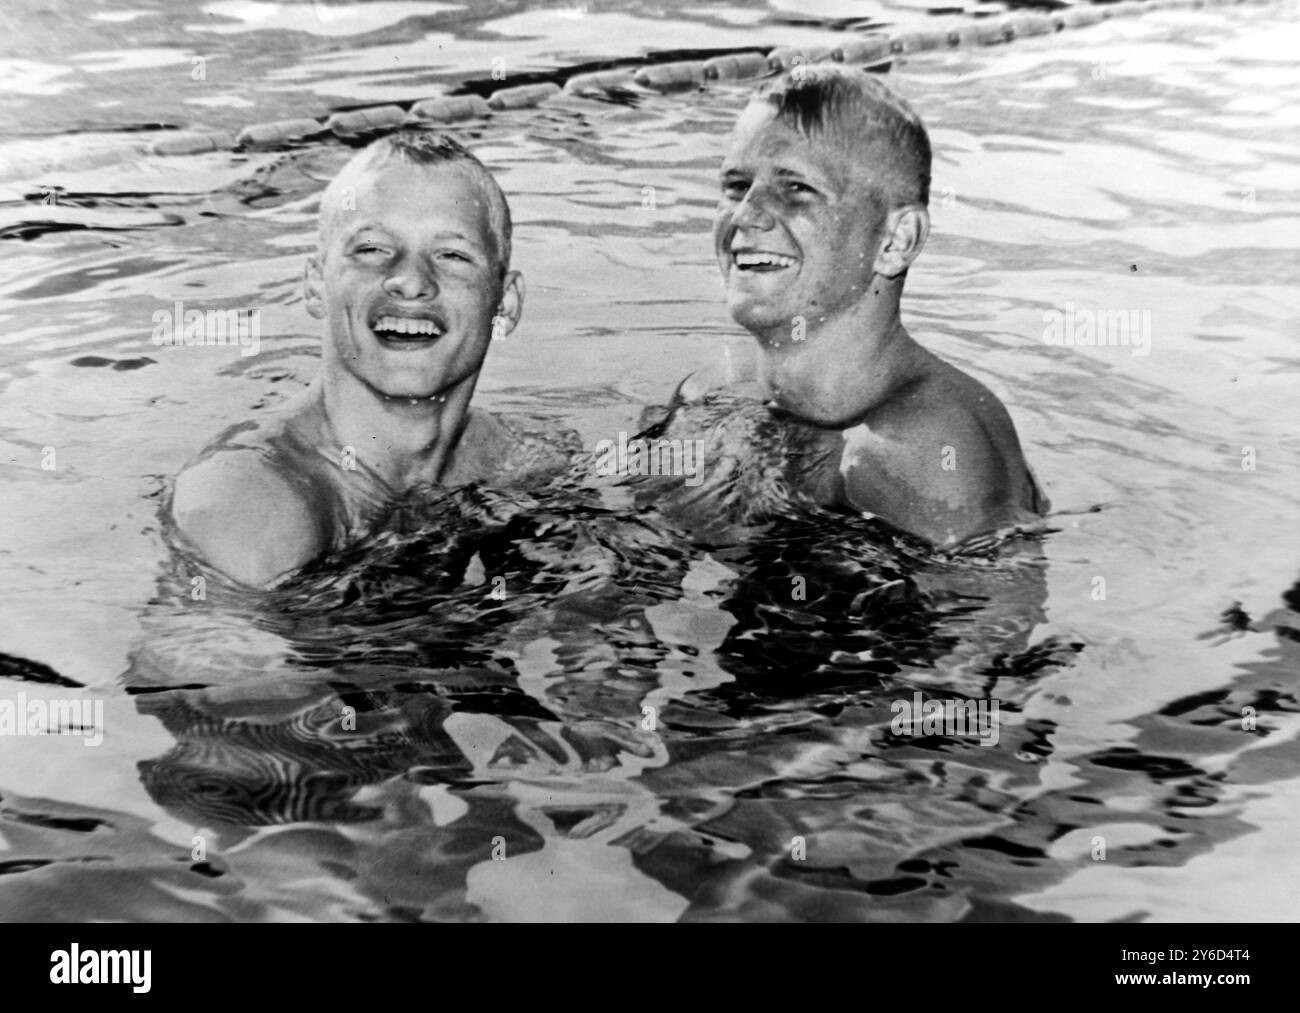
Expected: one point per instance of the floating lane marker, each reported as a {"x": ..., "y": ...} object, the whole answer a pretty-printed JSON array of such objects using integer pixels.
[
  {"x": 192, "y": 142},
  {"x": 987, "y": 32},
  {"x": 1025, "y": 25},
  {"x": 279, "y": 132},
  {"x": 364, "y": 121},
  {"x": 446, "y": 110},
  {"x": 874, "y": 50},
  {"x": 866, "y": 50},
  {"x": 919, "y": 42},
  {"x": 785, "y": 57},
  {"x": 1080, "y": 17},
  {"x": 736, "y": 67},
  {"x": 523, "y": 97},
  {"x": 599, "y": 81},
  {"x": 671, "y": 76}
]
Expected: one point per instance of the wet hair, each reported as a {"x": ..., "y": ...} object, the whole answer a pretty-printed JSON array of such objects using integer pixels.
[
  {"x": 855, "y": 109},
  {"x": 429, "y": 148}
]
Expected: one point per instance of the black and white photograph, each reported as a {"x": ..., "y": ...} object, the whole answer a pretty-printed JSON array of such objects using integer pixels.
[{"x": 614, "y": 461}]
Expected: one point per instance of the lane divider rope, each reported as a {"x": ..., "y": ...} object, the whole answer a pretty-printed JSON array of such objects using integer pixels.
[{"x": 873, "y": 50}]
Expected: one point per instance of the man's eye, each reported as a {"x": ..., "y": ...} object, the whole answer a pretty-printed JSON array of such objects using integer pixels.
[
  {"x": 369, "y": 248},
  {"x": 803, "y": 189},
  {"x": 464, "y": 258}
]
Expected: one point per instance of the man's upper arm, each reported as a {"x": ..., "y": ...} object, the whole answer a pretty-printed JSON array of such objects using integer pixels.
[
  {"x": 244, "y": 518},
  {"x": 945, "y": 492}
]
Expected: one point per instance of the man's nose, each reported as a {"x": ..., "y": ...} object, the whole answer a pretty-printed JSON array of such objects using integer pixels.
[
  {"x": 753, "y": 211},
  {"x": 410, "y": 281}
]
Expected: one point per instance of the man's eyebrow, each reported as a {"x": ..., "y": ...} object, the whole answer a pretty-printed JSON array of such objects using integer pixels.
[
  {"x": 350, "y": 234},
  {"x": 816, "y": 175},
  {"x": 356, "y": 230}
]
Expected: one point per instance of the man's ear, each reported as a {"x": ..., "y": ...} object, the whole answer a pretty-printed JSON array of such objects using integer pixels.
[
  {"x": 313, "y": 287},
  {"x": 512, "y": 303},
  {"x": 906, "y": 230}
]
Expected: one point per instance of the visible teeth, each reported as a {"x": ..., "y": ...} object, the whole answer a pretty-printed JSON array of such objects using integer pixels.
[
  {"x": 406, "y": 325},
  {"x": 763, "y": 259}
]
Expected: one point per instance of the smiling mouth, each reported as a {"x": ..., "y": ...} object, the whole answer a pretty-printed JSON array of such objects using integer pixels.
[
  {"x": 761, "y": 261},
  {"x": 394, "y": 331}
]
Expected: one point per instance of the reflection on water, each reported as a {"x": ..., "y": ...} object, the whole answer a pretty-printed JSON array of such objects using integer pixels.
[
  {"x": 632, "y": 687},
  {"x": 439, "y": 730},
  {"x": 611, "y": 700}
]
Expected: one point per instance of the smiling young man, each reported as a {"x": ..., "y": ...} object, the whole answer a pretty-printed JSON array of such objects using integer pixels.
[
  {"x": 411, "y": 282},
  {"x": 824, "y": 208}
]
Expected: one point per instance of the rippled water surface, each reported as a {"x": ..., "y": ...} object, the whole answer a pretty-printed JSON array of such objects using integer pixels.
[{"x": 367, "y": 742}]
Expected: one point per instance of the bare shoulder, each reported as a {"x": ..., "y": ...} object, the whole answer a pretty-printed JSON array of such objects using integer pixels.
[
  {"x": 941, "y": 460},
  {"x": 245, "y": 518}
]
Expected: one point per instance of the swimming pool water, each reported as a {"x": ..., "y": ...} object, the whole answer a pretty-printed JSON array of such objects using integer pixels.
[{"x": 367, "y": 744}]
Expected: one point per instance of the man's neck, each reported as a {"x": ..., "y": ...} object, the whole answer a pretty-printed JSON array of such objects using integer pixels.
[
  {"x": 845, "y": 366},
  {"x": 403, "y": 441}
]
